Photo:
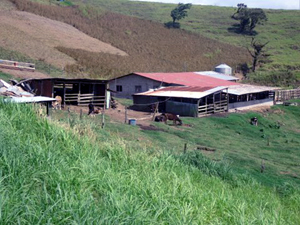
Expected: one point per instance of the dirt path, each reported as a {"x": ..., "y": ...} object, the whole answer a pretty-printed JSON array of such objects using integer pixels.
[{"x": 37, "y": 37}]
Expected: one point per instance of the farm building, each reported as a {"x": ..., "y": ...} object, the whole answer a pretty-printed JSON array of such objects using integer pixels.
[
  {"x": 79, "y": 92},
  {"x": 244, "y": 95},
  {"x": 184, "y": 101},
  {"x": 177, "y": 87},
  {"x": 126, "y": 86}
]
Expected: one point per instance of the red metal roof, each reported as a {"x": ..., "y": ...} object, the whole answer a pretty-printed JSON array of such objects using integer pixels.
[
  {"x": 185, "y": 88},
  {"x": 187, "y": 79}
]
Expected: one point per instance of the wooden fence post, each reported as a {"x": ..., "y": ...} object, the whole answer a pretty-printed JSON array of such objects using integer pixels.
[
  {"x": 103, "y": 120},
  {"x": 125, "y": 114},
  {"x": 80, "y": 114},
  {"x": 185, "y": 148}
]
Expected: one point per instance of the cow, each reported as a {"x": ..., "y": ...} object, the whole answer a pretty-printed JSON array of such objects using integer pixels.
[
  {"x": 57, "y": 103},
  {"x": 254, "y": 121},
  {"x": 170, "y": 116}
]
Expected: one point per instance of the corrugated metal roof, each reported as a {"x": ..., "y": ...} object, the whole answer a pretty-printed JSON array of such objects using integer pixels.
[
  {"x": 223, "y": 65},
  {"x": 182, "y": 92},
  {"x": 242, "y": 89},
  {"x": 30, "y": 99},
  {"x": 217, "y": 75},
  {"x": 187, "y": 79}
]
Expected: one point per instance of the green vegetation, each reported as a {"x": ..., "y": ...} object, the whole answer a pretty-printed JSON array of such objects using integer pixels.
[
  {"x": 54, "y": 174},
  {"x": 281, "y": 30},
  {"x": 40, "y": 65},
  {"x": 180, "y": 12},
  {"x": 249, "y": 19},
  {"x": 5, "y": 76}
]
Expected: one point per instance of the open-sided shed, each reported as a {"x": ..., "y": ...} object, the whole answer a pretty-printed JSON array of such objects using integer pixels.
[
  {"x": 184, "y": 101},
  {"x": 79, "y": 92}
]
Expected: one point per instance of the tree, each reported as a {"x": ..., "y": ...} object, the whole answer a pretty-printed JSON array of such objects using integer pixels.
[
  {"x": 180, "y": 12},
  {"x": 257, "y": 53},
  {"x": 249, "y": 18}
]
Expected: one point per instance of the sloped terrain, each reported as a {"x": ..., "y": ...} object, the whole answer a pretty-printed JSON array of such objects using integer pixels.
[
  {"x": 86, "y": 175},
  {"x": 151, "y": 47},
  {"x": 37, "y": 37}
]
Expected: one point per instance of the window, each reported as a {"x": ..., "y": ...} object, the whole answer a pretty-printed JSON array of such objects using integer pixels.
[
  {"x": 119, "y": 88},
  {"x": 138, "y": 88}
]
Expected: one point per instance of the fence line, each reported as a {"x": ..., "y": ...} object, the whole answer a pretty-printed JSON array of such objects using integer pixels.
[{"x": 284, "y": 95}]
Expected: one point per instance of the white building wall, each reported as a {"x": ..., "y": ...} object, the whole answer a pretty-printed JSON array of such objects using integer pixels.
[{"x": 129, "y": 83}]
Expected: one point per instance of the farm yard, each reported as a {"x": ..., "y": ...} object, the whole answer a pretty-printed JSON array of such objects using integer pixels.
[{"x": 110, "y": 116}]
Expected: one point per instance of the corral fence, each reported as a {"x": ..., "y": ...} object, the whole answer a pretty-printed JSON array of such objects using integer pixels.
[
  {"x": 85, "y": 99},
  {"x": 285, "y": 95},
  {"x": 7, "y": 64},
  {"x": 217, "y": 107}
]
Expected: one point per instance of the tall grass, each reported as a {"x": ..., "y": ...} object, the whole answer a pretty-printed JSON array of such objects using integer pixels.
[{"x": 50, "y": 175}]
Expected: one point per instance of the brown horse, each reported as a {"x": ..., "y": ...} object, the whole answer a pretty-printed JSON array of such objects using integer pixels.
[{"x": 170, "y": 116}]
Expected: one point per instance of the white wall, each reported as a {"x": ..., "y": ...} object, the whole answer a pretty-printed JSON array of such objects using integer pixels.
[{"x": 128, "y": 85}]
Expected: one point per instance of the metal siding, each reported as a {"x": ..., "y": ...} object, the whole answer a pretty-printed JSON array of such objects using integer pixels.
[{"x": 182, "y": 109}]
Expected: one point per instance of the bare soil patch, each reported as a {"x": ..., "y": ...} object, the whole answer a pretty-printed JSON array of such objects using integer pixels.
[{"x": 38, "y": 37}]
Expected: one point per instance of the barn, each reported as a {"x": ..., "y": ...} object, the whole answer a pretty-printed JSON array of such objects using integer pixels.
[
  {"x": 78, "y": 92},
  {"x": 127, "y": 85}
]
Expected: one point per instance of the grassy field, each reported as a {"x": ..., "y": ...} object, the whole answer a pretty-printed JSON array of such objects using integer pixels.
[{"x": 56, "y": 173}]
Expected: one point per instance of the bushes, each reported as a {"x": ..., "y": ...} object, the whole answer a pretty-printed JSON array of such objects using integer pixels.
[{"x": 275, "y": 78}]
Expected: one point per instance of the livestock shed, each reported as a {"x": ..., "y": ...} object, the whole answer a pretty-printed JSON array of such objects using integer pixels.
[
  {"x": 79, "y": 92},
  {"x": 245, "y": 95},
  {"x": 184, "y": 101},
  {"x": 127, "y": 85}
]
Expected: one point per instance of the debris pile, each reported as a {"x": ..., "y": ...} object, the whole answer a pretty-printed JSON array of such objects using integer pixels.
[{"x": 12, "y": 91}]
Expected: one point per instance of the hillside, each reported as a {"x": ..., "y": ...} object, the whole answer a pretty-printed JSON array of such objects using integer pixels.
[
  {"x": 78, "y": 173},
  {"x": 151, "y": 47},
  {"x": 281, "y": 29},
  {"x": 38, "y": 37}
]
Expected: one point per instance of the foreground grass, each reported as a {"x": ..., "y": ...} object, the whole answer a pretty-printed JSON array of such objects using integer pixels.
[{"x": 53, "y": 175}]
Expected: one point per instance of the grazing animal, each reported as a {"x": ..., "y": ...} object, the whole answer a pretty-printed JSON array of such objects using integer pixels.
[
  {"x": 159, "y": 118},
  {"x": 170, "y": 116},
  {"x": 57, "y": 103},
  {"x": 254, "y": 121}
]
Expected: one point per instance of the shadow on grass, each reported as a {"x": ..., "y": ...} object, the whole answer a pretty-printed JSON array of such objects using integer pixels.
[
  {"x": 172, "y": 25},
  {"x": 235, "y": 28}
]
